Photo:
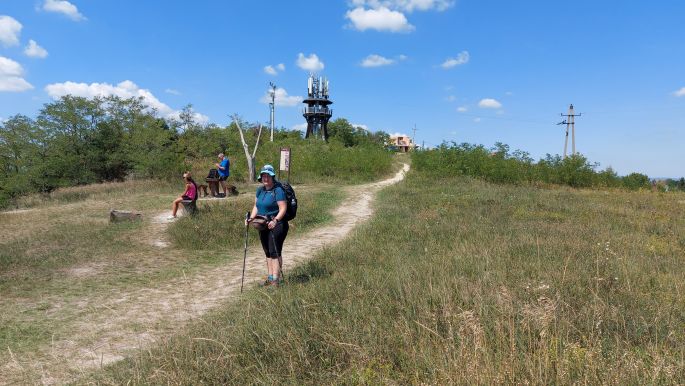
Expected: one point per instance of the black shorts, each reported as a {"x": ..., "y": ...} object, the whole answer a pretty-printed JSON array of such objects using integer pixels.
[
  {"x": 186, "y": 198},
  {"x": 222, "y": 178},
  {"x": 273, "y": 239}
]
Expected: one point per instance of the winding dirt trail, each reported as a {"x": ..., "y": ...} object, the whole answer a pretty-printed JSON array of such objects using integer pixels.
[{"x": 127, "y": 321}]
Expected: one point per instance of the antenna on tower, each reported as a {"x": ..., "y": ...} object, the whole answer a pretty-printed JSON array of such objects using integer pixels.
[
  {"x": 570, "y": 123},
  {"x": 272, "y": 106}
]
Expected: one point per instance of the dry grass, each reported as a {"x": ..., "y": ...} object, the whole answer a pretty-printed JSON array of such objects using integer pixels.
[{"x": 459, "y": 281}]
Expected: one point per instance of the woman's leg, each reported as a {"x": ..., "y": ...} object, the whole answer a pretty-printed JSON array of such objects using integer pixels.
[{"x": 174, "y": 207}]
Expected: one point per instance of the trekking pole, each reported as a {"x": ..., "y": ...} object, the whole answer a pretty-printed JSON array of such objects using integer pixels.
[{"x": 242, "y": 279}]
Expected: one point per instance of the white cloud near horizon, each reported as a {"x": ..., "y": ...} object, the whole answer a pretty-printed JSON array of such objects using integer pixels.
[
  {"x": 680, "y": 92},
  {"x": 33, "y": 50},
  {"x": 374, "y": 60},
  {"x": 125, "y": 89},
  {"x": 64, "y": 7},
  {"x": 11, "y": 76},
  {"x": 282, "y": 98},
  {"x": 461, "y": 58},
  {"x": 405, "y": 5},
  {"x": 310, "y": 63},
  {"x": 10, "y": 29},
  {"x": 489, "y": 103},
  {"x": 379, "y": 19},
  {"x": 300, "y": 127}
]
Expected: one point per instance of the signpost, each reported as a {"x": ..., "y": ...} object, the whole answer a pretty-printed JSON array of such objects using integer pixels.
[{"x": 285, "y": 162}]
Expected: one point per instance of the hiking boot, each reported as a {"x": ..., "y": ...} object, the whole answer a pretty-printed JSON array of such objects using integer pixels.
[{"x": 266, "y": 283}]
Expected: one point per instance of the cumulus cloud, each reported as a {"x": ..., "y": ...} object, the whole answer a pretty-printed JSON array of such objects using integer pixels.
[
  {"x": 405, "y": 5},
  {"x": 11, "y": 76},
  {"x": 9, "y": 31},
  {"x": 380, "y": 19},
  {"x": 64, "y": 7},
  {"x": 360, "y": 126},
  {"x": 462, "y": 58},
  {"x": 462, "y": 109},
  {"x": 33, "y": 50},
  {"x": 273, "y": 70},
  {"x": 310, "y": 63},
  {"x": 489, "y": 103},
  {"x": 376, "y": 61},
  {"x": 125, "y": 89},
  {"x": 680, "y": 92},
  {"x": 282, "y": 98}
]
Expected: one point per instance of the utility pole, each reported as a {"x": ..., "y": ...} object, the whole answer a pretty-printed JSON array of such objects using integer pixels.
[
  {"x": 570, "y": 123},
  {"x": 413, "y": 138},
  {"x": 272, "y": 108}
]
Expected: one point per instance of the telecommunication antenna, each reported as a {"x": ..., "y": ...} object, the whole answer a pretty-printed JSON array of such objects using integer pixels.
[
  {"x": 272, "y": 106},
  {"x": 570, "y": 123},
  {"x": 317, "y": 113},
  {"x": 413, "y": 138}
]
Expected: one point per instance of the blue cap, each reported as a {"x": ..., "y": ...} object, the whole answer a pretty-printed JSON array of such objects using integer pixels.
[{"x": 268, "y": 169}]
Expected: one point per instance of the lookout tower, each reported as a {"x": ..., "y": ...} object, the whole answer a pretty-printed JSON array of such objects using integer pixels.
[{"x": 317, "y": 112}]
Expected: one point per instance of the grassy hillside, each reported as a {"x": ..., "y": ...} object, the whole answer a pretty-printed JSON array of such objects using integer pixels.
[{"x": 456, "y": 280}]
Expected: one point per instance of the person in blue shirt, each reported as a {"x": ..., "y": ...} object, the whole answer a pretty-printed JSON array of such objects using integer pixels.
[
  {"x": 223, "y": 167},
  {"x": 270, "y": 203}
]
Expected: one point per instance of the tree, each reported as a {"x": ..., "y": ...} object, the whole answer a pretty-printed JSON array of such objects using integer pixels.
[{"x": 251, "y": 170}]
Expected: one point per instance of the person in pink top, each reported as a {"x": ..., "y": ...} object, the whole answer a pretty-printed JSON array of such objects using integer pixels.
[{"x": 189, "y": 194}]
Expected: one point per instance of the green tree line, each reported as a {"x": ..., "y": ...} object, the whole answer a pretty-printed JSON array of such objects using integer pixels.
[
  {"x": 76, "y": 141},
  {"x": 499, "y": 164}
]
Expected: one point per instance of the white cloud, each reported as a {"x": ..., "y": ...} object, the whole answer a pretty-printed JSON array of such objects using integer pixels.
[
  {"x": 11, "y": 76},
  {"x": 33, "y": 50},
  {"x": 462, "y": 109},
  {"x": 282, "y": 98},
  {"x": 376, "y": 61},
  {"x": 310, "y": 63},
  {"x": 476, "y": 119},
  {"x": 63, "y": 7},
  {"x": 508, "y": 93},
  {"x": 172, "y": 91},
  {"x": 9, "y": 31},
  {"x": 450, "y": 98},
  {"x": 125, "y": 89},
  {"x": 405, "y": 5},
  {"x": 361, "y": 126},
  {"x": 680, "y": 92},
  {"x": 274, "y": 70},
  {"x": 380, "y": 19},
  {"x": 300, "y": 127},
  {"x": 489, "y": 103},
  {"x": 462, "y": 58}
]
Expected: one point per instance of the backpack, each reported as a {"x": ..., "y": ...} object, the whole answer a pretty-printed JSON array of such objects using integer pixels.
[{"x": 290, "y": 199}]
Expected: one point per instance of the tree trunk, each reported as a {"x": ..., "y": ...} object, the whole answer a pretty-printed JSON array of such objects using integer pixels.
[{"x": 251, "y": 170}]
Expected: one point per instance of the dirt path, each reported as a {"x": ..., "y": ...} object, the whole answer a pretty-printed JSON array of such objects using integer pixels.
[{"x": 109, "y": 330}]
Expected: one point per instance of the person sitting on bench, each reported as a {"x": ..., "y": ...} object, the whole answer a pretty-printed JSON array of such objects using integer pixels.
[
  {"x": 189, "y": 194},
  {"x": 224, "y": 167}
]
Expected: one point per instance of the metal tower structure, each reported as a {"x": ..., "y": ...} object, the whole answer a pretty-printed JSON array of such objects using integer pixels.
[
  {"x": 317, "y": 112},
  {"x": 272, "y": 105},
  {"x": 570, "y": 122}
]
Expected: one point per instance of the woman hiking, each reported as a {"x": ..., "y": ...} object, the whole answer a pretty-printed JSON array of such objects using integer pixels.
[{"x": 270, "y": 203}]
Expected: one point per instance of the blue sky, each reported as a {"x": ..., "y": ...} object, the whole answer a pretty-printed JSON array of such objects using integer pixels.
[{"x": 475, "y": 71}]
